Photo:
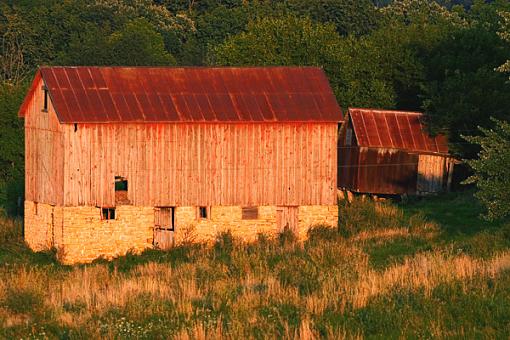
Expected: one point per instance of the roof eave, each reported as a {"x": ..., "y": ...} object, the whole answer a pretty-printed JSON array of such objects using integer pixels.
[{"x": 23, "y": 108}]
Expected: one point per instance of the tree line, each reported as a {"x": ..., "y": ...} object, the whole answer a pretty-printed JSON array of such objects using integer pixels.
[{"x": 444, "y": 58}]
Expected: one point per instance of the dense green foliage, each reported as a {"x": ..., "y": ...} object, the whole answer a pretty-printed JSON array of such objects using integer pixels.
[
  {"x": 425, "y": 268},
  {"x": 492, "y": 169},
  {"x": 11, "y": 147},
  {"x": 439, "y": 57}
]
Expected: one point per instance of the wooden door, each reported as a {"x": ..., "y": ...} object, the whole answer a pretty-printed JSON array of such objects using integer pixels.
[
  {"x": 287, "y": 218},
  {"x": 163, "y": 228},
  {"x": 431, "y": 173}
]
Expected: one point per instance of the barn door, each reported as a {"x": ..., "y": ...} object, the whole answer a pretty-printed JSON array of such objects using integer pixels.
[
  {"x": 163, "y": 228},
  {"x": 287, "y": 218}
]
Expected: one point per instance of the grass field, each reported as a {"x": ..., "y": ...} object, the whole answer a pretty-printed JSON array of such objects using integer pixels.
[{"x": 423, "y": 268}]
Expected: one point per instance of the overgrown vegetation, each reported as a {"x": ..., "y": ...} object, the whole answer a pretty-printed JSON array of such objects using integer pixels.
[
  {"x": 492, "y": 170},
  {"x": 422, "y": 268}
]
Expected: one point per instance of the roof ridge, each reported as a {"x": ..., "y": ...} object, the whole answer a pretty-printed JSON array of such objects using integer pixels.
[
  {"x": 184, "y": 67},
  {"x": 386, "y": 111}
]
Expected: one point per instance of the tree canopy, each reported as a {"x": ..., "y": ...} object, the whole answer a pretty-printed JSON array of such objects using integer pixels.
[
  {"x": 446, "y": 58},
  {"x": 492, "y": 169}
]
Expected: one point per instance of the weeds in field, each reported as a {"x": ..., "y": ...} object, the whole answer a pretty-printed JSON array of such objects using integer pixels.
[{"x": 387, "y": 272}]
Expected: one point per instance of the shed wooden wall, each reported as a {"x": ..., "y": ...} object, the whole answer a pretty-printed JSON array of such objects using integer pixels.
[
  {"x": 387, "y": 171},
  {"x": 44, "y": 162},
  {"x": 433, "y": 173},
  {"x": 201, "y": 164},
  {"x": 347, "y": 158}
]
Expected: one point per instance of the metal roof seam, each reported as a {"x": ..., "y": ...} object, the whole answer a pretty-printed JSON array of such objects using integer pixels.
[
  {"x": 74, "y": 94},
  {"x": 95, "y": 89},
  {"x": 377, "y": 131},
  {"x": 415, "y": 146},
  {"x": 51, "y": 95},
  {"x": 388, "y": 128}
]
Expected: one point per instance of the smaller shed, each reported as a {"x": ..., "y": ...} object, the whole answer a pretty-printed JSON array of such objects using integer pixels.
[{"x": 389, "y": 152}]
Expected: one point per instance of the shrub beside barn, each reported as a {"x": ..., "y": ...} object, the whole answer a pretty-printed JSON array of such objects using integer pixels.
[
  {"x": 121, "y": 159},
  {"x": 389, "y": 152}
]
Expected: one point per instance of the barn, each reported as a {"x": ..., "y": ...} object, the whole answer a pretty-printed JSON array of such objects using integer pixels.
[
  {"x": 122, "y": 159},
  {"x": 389, "y": 152}
]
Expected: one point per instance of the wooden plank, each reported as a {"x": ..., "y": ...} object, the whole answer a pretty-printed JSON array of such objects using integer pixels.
[
  {"x": 189, "y": 164},
  {"x": 43, "y": 179}
]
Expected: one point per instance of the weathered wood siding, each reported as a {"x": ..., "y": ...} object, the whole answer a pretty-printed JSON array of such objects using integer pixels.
[
  {"x": 432, "y": 173},
  {"x": 348, "y": 158},
  {"x": 201, "y": 164},
  {"x": 44, "y": 162},
  {"x": 387, "y": 171}
]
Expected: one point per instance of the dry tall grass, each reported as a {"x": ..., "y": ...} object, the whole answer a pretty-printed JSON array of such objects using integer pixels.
[
  {"x": 425, "y": 271},
  {"x": 265, "y": 290},
  {"x": 97, "y": 290}
]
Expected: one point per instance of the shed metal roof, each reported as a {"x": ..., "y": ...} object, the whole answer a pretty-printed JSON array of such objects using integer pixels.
[
  {"x": 395, "y": 130},
  {"x": 189, "y": 94}
]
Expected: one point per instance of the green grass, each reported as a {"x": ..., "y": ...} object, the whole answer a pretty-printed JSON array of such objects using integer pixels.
[
  {"x": 277, "y": 288},
  {"x": 458, "y": 214},
  {"x": 394, "y": 252},
  {"x": 481, "y": 311},
  {"x": 457, "y": 219}
]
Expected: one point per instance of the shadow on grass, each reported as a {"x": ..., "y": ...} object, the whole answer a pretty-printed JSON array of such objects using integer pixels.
[
  {"x": 173, "y": 257},
  {"x": 395, "y": 252},
  {"x": 444, "y": 221},
  {"x": 456, "y": 213},
  {"x": 13, "y": 249}
]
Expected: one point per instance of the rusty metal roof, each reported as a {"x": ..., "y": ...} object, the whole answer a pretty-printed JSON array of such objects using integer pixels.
[
  {"x": 395, "y": 130},
  {"x": 189, "y": 94}
]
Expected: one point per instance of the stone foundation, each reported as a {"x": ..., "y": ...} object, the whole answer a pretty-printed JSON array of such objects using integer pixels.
[
  {"x": 312, "y": 215},
  {"x": 87, "y": 236},
  {"x": 222, "y": 219},
  {"x": 229, "y": 218},
  {"x": 81, "y": 235},
  {"x": 43, "y": 226}
]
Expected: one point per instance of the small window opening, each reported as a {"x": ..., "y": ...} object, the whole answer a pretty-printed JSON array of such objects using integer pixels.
[
  {"x": 108, "y": 213},
  {"x": 250, "y": 213},
  {"x": 203, "y": 213},
  {"x": 121, "y": 183},
  {"x": 121, "y": 191},
  {"x": 36, "y": 212},
  {"x": 75, "y": 127},
  {"x": 45, "y": 103}
]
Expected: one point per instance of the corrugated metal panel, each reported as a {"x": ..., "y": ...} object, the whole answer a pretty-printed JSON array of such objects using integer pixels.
[
  {"x": 171, "y": 94},
  {"x": 395, "y": 130}
]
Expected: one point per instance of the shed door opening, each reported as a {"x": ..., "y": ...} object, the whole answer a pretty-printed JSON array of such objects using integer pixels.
[
  {"x": 287, "y": 219},
  {"x": 164, "y": 219}
]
